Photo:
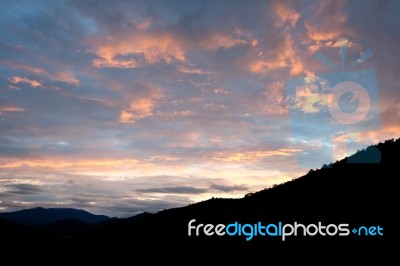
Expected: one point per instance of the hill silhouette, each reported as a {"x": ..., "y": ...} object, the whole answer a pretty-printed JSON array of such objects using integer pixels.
[
  {"x": 41, "y": 216},
  {"x": 357, "y": 194},
  {"x": 13, "y": 232},
  {"x": 64, "y": 228}
]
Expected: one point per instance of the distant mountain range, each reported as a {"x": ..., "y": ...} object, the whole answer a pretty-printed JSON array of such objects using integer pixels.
[
  {"x": 41, "y": 216},
  {"x": 349, "y": 192}
]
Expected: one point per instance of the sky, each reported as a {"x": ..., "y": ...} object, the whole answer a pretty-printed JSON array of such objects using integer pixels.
[{"x": 120, "y": 107}]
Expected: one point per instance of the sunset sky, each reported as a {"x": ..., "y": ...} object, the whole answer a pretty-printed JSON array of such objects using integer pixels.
[{"x": 120, "y": 107}]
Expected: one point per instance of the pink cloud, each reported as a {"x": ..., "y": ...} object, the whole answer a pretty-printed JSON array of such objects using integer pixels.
[
  {"x": 217, "y": 40},
  {"x": 66, "y": 77},
  {"x": 285, "y": 13},
  {"x": 328, "y": 25},
  {"x": 282, "y": 56},
  {"x": 63, "y": 76},
  {"x": 30, "y": 82},
  {"x": 131, "y": 50},
  {"x": 141, "y": 106}
]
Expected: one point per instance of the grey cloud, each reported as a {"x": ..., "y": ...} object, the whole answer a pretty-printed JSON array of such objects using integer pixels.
[
  {"x": 25, "y": 189},
  {"x": 175, "y": 190},
  {"x": 194, "y": 190},
  {"x": 227, "y": 188}
]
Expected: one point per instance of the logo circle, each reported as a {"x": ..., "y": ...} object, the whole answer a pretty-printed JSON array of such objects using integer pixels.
[{"x": 359, "y": 93}]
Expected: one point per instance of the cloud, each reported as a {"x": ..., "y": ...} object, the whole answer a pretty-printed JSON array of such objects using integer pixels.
[
  {"x": 227, "y": 188},
  {"x": 24, "y": 189},
  {"x": 192, "y": 70},
  {"x": 220, "y": 40},
  {"x": 78, "y": 165},
  {"x": 24, "y": 66},
  {"x": 66, "y": 77},
  {"x": 130, "y": 50},
  {"x": 173, "y": 97},
  {"x": 329, "y": 22},
  {"x": 137, "y": 49},
  {"x": 282, "y": 55},
  {"x": 249, "y": 156},
  {"x": 10, "y": 108},
  {"x": 285, "y": 13},
  {"x": 194, "y": 190},
  {"x": 30, "y": 82},
  {"x": 126, "y": 117},
  {"x": 63, "y": 76},
  {"x": 141, "y": 106},
  {"x": 175, "y": 190}
]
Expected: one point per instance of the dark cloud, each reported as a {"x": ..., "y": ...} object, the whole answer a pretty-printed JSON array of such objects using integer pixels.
[
  {"x": 24, "y": 189},
  {"x": 194, "y": 190},
  {"x": 175, "y": 190},
  {"x": 226, "y": 188}
]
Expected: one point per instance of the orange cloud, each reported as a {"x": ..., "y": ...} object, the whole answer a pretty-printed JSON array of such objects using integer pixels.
[
  {"x": 135, "y": 49},
  {"x": 220, "y": 40},
  {"x": 141, "y": 106},
  {"x": 138, "y": 109},
  {"x": 30, "y": 82},
  {"x": 192, "y": 70},
  {"x": 329, "y": 41},
  {"x": 285, "y": 13},
  {"x": 132, "y": 50},
  {"x": 388, "y": 132},
  {"x": 316, "y": 35},
  {"x": 363, "y": 139},
  {"x": 282, "y": 57},
  {"x": 11, "y": 109},
  {"x": 63, "y": 164},
  {"x": 251, "y": 156},
  {"x": 328, "y": 23},
  {"x": 126, "y": 117}
]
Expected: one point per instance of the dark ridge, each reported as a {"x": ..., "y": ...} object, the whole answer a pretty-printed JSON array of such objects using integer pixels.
[
  {"x": 65, "y": 228},
  {"x": 358, "y": 194},
  {"x": 41, "y": 216}
]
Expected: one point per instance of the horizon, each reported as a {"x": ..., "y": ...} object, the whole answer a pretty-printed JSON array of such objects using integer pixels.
[
  {"x": 130, "y": 216},
  {"x": 130, "y": 107}
]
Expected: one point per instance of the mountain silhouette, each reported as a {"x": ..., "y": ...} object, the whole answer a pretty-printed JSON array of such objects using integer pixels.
[
  {"x": 349, "y": 192},
  {"x": 67, "y": 228},
  {"x": 15, "y": 232},
  {"x": 41, "y": 216},
  {"x": 344, "y": 192},
  {"x": 64, "y": 228}
]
